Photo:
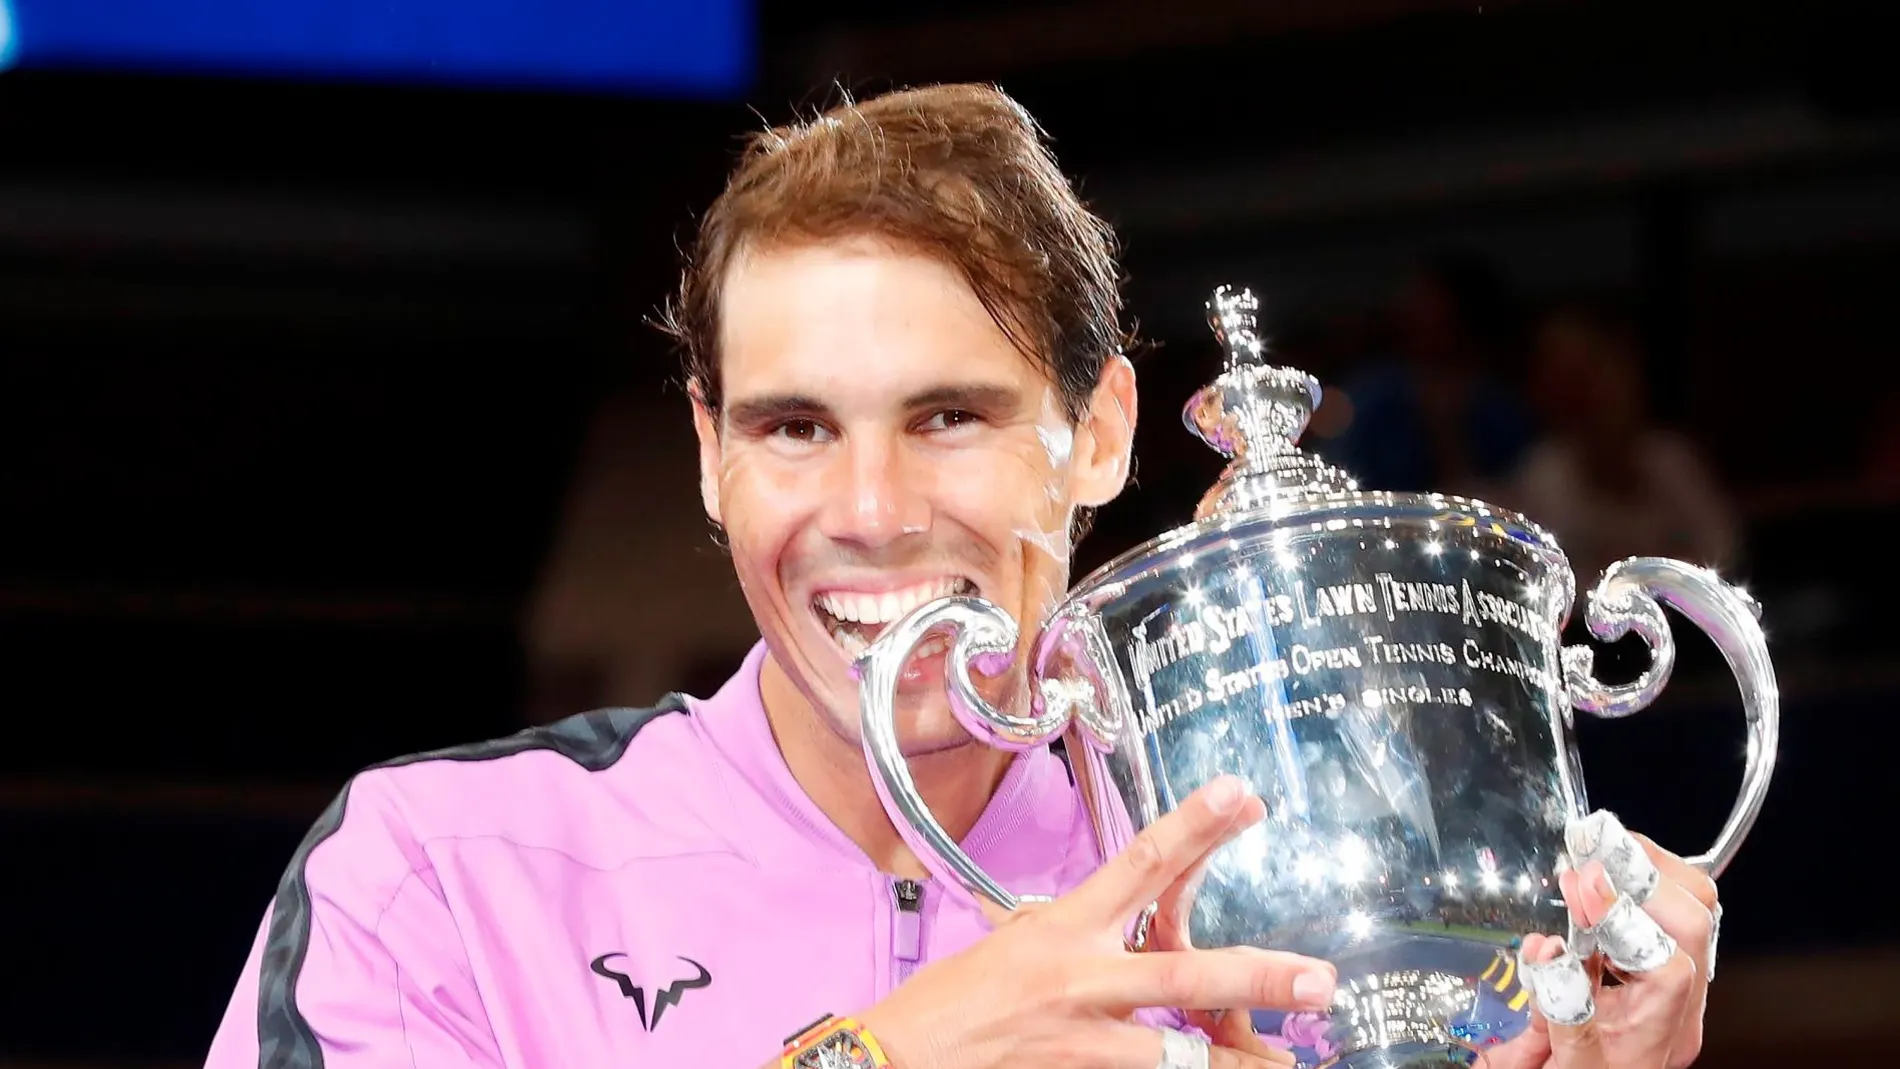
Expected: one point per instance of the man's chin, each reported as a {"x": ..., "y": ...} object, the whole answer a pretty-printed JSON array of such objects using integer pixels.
[
  {"x": 925, "y": 727},
  {"x": 925, "y": 722},
  {"x": 938, "y": 742}
]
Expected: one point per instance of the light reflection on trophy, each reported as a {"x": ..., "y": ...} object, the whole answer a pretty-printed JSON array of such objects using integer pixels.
[{"x": 1383, "y": 669}]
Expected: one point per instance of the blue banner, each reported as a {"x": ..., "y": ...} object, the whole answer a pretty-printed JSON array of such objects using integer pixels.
[{"x": 690, "y": 47}]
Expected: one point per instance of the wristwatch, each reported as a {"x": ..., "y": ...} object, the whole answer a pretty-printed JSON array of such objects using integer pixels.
[{"x": 834, "y": 1043}]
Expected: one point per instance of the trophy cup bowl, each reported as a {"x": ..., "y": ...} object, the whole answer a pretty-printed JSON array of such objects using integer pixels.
[{"x": 1383, "y": 669}]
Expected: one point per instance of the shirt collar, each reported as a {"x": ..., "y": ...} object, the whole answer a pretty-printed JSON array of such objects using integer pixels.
[{"x": 1024, "y": 836}]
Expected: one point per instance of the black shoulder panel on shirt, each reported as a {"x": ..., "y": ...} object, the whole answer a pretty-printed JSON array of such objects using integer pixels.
[{"x": 593, "y": 741}]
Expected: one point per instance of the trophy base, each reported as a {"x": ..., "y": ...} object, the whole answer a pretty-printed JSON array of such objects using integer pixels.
[
  {"x": 1407, "y": 1056},
  {"x": 1413, "y": 1001},
  {"x": 1436, "y": 1050}
]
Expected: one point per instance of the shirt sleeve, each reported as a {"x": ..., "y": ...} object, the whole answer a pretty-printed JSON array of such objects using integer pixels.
[{"x": 358, "y": 963}]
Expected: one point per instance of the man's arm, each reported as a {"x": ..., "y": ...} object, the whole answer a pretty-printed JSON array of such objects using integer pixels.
[{"x": 358, "y": 964}]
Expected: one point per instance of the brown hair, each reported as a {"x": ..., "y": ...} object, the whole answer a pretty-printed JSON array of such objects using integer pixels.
[{"x": 959, "y": 172}]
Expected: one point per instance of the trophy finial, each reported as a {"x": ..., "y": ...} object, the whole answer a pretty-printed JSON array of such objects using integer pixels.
[
  {"x": 1254, "y": 413},
  {"x": 1234, "y": 316}
]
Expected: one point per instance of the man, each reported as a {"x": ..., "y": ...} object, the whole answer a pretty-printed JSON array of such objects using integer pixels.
[{"x": 902, "y": 338}]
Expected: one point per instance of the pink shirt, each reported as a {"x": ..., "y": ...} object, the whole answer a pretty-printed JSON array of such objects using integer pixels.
[{"x": 622, "y": 889}]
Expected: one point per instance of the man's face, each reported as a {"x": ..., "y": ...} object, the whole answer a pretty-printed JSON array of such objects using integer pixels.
[{"x": 883, "y": 444}]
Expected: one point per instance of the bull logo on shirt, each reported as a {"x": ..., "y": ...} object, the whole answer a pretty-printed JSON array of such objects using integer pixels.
[{"x": 662, "y": 998}]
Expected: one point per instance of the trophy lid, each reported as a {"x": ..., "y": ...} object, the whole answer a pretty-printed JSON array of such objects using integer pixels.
[{"x": 1254, "y": 413}]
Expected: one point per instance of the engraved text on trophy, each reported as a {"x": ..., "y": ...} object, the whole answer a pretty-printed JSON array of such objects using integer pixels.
[{"x": 1313, "y": 647}]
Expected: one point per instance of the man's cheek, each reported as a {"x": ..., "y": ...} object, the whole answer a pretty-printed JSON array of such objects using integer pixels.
[
  {"x": 759, "y": 507},
  {"x": 1018, "y": 480},
  {"x": 1023, "y": 508},
  {"x": 756, "y": 491},
  {"x": 1041, "y": 521}
]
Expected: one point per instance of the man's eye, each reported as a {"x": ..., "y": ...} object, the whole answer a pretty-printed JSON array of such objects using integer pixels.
[
  {"x": 951, "y": 419},
  {"x": 800, "y": 430}
]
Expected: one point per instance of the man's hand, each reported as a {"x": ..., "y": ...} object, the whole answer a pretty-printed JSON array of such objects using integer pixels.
[
  {"x": 1653, "y": 918},
  {"x": 1055, "y": 985}
]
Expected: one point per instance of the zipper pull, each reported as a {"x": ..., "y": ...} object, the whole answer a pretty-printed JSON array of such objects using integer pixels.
[{"x": 907, "y": 938}]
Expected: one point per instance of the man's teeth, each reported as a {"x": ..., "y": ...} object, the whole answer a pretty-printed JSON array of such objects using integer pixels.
[
  {"x": 878, "y": 609},
  {"x": 855, "y": 619},
  {"x": 931, "y": 646},
  {"x": 853, "y": 642}
]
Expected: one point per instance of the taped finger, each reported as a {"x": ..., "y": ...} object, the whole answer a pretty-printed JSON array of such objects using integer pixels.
[
  {"x": 1631, "y": 939},
  {"x": 1684, "y": 919},
  {"x": 1559, "y": 984},
  {"x": 1180, "y": 1050},
  {"x": 1634, "y": 938},
  {"x": 1602, "y": 837}
]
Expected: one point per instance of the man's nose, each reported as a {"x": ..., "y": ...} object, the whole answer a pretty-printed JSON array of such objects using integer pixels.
[{"x": 878, "y": 495}]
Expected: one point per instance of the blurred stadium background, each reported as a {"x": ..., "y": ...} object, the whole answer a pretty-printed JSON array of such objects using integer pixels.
[{"x": 331, "y": 427}]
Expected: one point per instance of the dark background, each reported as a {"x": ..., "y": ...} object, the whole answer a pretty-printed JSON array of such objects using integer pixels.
[{"x": 331, "y": 427}]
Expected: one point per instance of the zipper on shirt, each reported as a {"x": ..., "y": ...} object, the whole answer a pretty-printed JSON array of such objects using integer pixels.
[{"x": 907, "y": 928}]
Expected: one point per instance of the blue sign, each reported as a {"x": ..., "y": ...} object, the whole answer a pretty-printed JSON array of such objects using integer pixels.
[{"x": 692, "y": 47}]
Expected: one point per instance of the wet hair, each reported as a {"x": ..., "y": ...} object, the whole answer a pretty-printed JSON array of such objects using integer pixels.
[{"x": 960, "y": 173}]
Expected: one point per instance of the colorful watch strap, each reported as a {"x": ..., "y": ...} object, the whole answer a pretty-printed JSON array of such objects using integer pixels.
[{"x": 826, "y": 1027}]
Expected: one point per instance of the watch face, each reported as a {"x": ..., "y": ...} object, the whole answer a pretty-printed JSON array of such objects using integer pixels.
[{"x": 839, "y": 1050}]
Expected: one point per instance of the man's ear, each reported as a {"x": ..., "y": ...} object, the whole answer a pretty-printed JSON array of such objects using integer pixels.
[
  {"x": 1104, "y": 462},
  {"x": 711, "y": 453}
]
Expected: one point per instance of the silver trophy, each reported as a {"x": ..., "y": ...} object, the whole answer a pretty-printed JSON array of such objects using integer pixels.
[{"x": 1383, "y": 669}]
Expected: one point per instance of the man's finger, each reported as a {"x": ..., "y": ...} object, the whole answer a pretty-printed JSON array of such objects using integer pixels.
[
  {"x": 1637, "y": 1024},
  {"x": 1638, "y": 867},
  {"x": 1628, "y": 935},
  {"x": 1176, "y": 904},
  {"x": 1698, "y": 883},
  {"x": 1158, "y": 856},
  {"x": 1700, "y": 886},
  {"x": 1661, "y": 949},
  {"x": 1241, "y": 977},
  {"x": 1249, "y": 814},
  {"x": 1639, "y": 939},
  {"x": 1601, "y": 837},
  {"x": 1565, "y": 996},
  {"x": 1640, "y": 1023},
  {"x": 1680, "y": 913}
]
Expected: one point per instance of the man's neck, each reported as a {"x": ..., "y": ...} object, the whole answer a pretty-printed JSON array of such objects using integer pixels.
[{"x": 956, "y": 784}]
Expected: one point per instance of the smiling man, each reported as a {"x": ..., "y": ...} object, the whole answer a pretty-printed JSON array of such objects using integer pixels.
[
  {"x": 902, "y": 337},
  {"x": 872, "y": 440}
]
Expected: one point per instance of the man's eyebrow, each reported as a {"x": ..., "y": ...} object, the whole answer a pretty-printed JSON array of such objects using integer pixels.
[
  {"x": 770, "y": 408},
  {"x": 979, "y": 396}
]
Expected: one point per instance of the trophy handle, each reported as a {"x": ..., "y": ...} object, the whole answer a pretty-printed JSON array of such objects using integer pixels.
[
  {"x": 1626, "y": 600},
  {"x": 985, "y": 636}
]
